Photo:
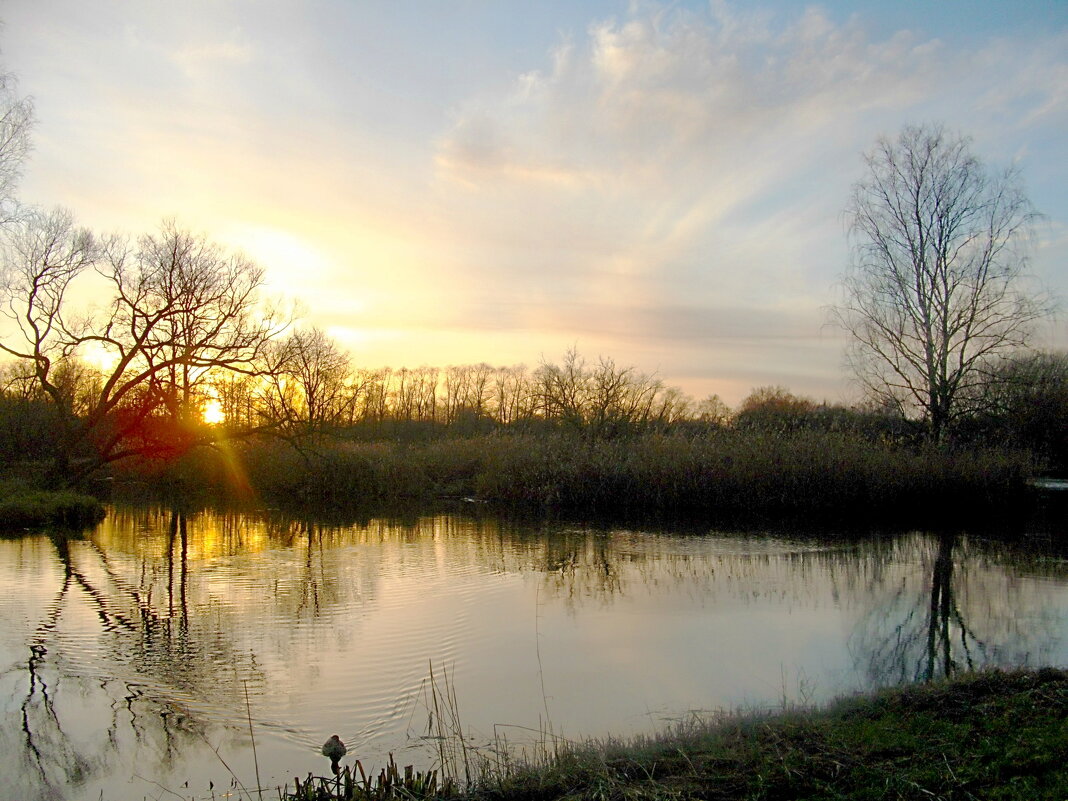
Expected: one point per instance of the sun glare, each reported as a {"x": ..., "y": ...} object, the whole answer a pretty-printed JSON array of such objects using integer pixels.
[{"x": 213, "y": 412}]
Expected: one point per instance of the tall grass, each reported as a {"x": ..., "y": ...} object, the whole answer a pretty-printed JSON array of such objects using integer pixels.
[
  {"x": 734, "y": 473},
  {"x": 25, "y": 507},
  {"x": 725, "y": 474},
  {"x": 986, "y": 735}
]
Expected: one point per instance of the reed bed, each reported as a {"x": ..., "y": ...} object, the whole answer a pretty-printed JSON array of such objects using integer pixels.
[
  {"x": 728, "y": 474},
  {"x": 353, "y": 784}
]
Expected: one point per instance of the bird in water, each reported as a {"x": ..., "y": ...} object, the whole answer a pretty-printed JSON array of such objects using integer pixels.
[{"x": 334, "y": 749}]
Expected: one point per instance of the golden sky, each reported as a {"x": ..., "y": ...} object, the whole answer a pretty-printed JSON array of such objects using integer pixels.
[{"x": 456, "y": 182}]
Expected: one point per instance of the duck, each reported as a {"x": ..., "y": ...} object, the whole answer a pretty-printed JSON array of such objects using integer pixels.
[{"x": 334, "y": 749}]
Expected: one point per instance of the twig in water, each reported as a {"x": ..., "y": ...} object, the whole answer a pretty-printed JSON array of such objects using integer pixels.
[
  {"x": 229, "y": 770},
  {"x": 255, "y": 758},
  {"x": 537, "y": 653},
  {"x": 160, "y": 786}
]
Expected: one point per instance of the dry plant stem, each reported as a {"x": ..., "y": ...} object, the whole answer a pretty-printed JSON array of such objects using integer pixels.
[
  {"x": 446, "y": 728},
  {"x": 255, "y": 758},
  {"x": 151, "y": 781},
  {"x": 455, "y": 710},
  {"x": 229, "y": 770}
]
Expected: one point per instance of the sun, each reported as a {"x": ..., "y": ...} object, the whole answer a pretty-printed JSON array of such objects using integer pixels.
[{"x": 213, "y": 412}]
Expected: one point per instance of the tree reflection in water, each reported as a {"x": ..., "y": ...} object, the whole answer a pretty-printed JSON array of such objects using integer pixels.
[
  {"x": 139, "y": 638},
  {"x": 134, "y": 669},
  {"x": 966, "y": 607}
]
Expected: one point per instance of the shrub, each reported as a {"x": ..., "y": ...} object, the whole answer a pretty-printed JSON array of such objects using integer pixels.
[{"x": 33, "y": 509}]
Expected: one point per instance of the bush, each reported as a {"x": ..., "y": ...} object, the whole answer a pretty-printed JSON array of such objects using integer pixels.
[{"x": 34, "y": 509}]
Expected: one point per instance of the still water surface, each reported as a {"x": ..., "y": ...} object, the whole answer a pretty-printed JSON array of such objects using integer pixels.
[{"x": 126, "y": 656}]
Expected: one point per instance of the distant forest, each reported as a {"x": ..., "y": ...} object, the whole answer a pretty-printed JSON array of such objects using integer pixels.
[{"x": 314, "y": 394}]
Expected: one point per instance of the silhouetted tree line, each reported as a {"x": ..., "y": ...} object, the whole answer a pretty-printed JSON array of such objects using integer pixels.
[
  {"x": 1023, "y": 403},
  {"x": 313, "y": 394},
  {"x": 317, "y": 390}
]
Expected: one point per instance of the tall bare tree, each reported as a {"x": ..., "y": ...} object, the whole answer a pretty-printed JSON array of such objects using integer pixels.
[
  {"x": 309, "y": 393},
  {"x": 936, "y": 290},
  {"x": 561, "y": 389},
  {"x": 513, "y": 397},
  {"x": 16, "y": 120},
  {"x": 181, "y": 311},
  {"x": 43, "y": 254}
]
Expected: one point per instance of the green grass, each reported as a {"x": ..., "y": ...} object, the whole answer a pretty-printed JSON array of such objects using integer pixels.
[
  {"x": 25, "y": 508},
  {"x": 990, "y": 735}
]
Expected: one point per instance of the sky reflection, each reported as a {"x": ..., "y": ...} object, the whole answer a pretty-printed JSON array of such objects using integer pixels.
[{"x": 127, "y": 654}]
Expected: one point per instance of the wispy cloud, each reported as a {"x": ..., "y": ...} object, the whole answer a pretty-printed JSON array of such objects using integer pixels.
[
  {"x": 664, "y": 185},
  {"x": 675, "y": 156},
  {"x": 206, "y": 55}
]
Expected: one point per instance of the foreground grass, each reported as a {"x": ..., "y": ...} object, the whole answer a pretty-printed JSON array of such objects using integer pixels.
[
  {"x": 25, "y": 508},
  {"x": 990, "y": 735}
]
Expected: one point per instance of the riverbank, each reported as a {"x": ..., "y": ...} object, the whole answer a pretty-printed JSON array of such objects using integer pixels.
[
  {"x": 990, "y": 735},
  {"x": 24, "y": 508},
  {"x": 722, "y": 475}
]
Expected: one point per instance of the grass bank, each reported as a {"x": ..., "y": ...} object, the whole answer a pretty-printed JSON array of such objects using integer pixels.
[
  {"x": 726, "y": 475},
  {"x": 990, "y": 735},
  {"x": 23, "y": 507}
]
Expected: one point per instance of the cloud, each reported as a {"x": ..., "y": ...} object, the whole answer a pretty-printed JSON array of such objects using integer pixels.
[
  {"x": 202, "y": 58},
  {"x": 664, "y": 186},
  {"x": 646, "y": 100},
  {"x": 677, "y": 159}
]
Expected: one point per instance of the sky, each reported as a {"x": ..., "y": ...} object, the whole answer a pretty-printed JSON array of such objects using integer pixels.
[{"x": 438, "y": 183}]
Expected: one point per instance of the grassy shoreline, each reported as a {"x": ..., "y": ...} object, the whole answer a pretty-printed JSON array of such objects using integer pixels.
[
  {"x": 988, "y": 735},
  {"x": 23, "y": 508},
  {"x": 725, "y": 476}
]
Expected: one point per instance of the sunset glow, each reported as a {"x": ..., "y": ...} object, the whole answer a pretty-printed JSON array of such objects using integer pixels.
[
  {"x": 462, "y": 183},
  {"x": 213, "y": 413}
]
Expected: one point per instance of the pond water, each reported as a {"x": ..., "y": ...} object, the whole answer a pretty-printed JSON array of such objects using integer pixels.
[{"x": 133, "y": 660}]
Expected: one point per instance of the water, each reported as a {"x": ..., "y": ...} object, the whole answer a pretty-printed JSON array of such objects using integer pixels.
[{"x": 127, "y": 656}]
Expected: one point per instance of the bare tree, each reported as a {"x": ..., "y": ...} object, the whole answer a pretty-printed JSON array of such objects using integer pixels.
[
  {"x": 240, "y": 399},
  {"x": 373, "y": 403},
  {"x": 43, "y": 254},
  {"x": 620, "y": 396},
  {"x": 672, "y": 406},
  {"x": 773, "y": 409},
  {"x": 16, "y": 120},
  {"x": 18, "y": 381},
  {"x": 935, "y": 292},
  {"x": 1028, "y": 404},
  {"x": 425, "y": 392},
  {"x": 454, "y": 388},
  {"x": 713, "y": 410},
  {"x": 181, "y": 311},
  {"x": 561, "y": 389},
  {"x": 308, "y": 393},
  {"x": 467, "y": 391},
  {"x": 404, "y": 392},
  {"x": 513, "y": 397}
]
